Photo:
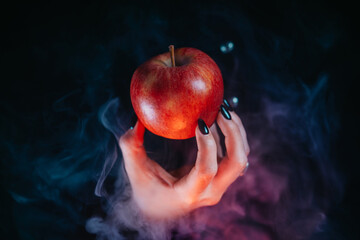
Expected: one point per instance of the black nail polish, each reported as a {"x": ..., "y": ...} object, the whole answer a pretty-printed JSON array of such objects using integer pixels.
[
  {"x": 202, "y": 126},
  {"x": 228, "y": 106},
  {"x": 225, "y": 112}
]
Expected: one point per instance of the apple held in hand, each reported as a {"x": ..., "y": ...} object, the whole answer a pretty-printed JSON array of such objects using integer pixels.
[{"x": 171, "y": 91}]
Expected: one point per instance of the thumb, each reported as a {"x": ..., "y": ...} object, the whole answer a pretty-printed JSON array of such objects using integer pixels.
[{"x": 131, "y": 145}]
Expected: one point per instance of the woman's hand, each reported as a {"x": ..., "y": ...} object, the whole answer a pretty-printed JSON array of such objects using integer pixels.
[{"x": 160, "y": 195}]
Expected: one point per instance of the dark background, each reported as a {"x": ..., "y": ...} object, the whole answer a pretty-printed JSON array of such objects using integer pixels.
[{"x": 61, "y": 62}]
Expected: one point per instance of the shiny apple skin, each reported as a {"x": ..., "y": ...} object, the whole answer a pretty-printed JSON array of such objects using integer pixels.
[{"x": 170, "y": 100}]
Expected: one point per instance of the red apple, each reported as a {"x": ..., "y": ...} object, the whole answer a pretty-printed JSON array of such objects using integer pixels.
[{"x": 169, "y": 100}]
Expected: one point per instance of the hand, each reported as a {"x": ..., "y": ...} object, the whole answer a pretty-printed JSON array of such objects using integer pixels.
[{"x": 161, "y": 195}]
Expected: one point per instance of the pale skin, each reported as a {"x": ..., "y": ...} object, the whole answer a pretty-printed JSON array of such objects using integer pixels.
[{"x": 161, "y": 195}]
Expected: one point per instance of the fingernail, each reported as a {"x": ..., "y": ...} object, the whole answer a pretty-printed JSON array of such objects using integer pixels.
[
  {"x": 225, "y": 112},
  {"x": 133, "y": 121},
  {"x": 202, "y": 126},
  {"x": 228, "y": 106}
]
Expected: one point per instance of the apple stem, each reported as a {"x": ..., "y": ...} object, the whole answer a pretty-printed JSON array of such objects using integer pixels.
[{"x": 172, "y": 55}]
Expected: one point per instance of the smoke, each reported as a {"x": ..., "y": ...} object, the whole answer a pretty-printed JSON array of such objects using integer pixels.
[
  {"x": 70, "y": 182},
  {"x": 284, "y": 194},
  {"x": 291, "y": 182}
]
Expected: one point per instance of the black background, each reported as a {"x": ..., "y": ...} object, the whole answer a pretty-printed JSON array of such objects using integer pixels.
[{"x": 91, "y": 50}]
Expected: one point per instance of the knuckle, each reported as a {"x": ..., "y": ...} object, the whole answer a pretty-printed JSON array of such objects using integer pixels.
[
  {"x": 124, "y": 141},
  {"x": 241, "y": 170},
  {"x": 207, "y": 172},
  {"x": 189, "y": 200},
  {"x": 233, "y": 127},
  {"x": 240, "y": 161},
  {"x": 236, "y": 117},
  {"x": 210, "y": 143},
  {"x": 213, "y": 200},
  {"x": 247, "y": 151},
  {"x": 206, "y": 177},
  {"x": 208, "y": 148}
]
